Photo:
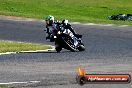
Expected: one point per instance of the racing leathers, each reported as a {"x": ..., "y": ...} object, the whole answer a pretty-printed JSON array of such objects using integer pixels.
[{"x": 51, "y": 30}]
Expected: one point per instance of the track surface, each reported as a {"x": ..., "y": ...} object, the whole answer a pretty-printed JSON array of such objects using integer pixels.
[{"x": 108, "y": 50}]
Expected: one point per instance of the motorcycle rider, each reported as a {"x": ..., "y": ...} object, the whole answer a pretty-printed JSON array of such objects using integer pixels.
[
  {"x": 52, "y": 26},
  {"x": 49, "y": 20}
]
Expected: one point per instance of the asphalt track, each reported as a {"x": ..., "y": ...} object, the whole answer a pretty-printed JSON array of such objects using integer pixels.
[{"x": 108, "y": 50}]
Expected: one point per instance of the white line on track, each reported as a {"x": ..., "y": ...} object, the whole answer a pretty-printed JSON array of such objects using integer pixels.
[
  {"x": 93, "y": 24},
  {"x": 35, "y": 51},
  {"x": 9, "y": 83}
]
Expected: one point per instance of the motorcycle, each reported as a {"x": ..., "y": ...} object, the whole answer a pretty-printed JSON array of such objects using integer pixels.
[{"x": 66, "y": 39}]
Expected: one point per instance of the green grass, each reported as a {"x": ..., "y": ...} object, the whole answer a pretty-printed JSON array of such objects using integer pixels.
[
  {"x": 12, "y": 46},
  {"x": 75, "y": 10},
  {"x": 5, "y": 86}
]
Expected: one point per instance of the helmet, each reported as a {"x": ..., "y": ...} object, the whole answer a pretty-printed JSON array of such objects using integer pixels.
[{"x": 49, "y": 19}]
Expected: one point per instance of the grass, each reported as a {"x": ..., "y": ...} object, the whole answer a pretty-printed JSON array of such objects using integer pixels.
[
  {"x": 12, "y": 46},
  {"x": 5, "y": 86},
  {"x": 95, "y": 11}
]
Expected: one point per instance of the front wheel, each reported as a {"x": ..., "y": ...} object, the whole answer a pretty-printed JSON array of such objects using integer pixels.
[
  {"x": 81, "y": 48},
  {"x": 58, "y": 48}
]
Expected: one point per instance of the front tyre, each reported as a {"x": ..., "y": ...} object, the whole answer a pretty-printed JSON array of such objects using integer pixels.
[
  {"x": 58, "y": 48},
  {"x": 81, "y": 48}
]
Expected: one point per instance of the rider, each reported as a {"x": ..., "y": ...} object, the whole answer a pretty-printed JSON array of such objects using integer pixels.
[
  {"x": 49, "y": 23},
  {"x": 51, "y": 26}
]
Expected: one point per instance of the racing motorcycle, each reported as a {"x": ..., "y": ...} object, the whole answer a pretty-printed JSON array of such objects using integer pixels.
[{"x": 65, "y": 39}]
